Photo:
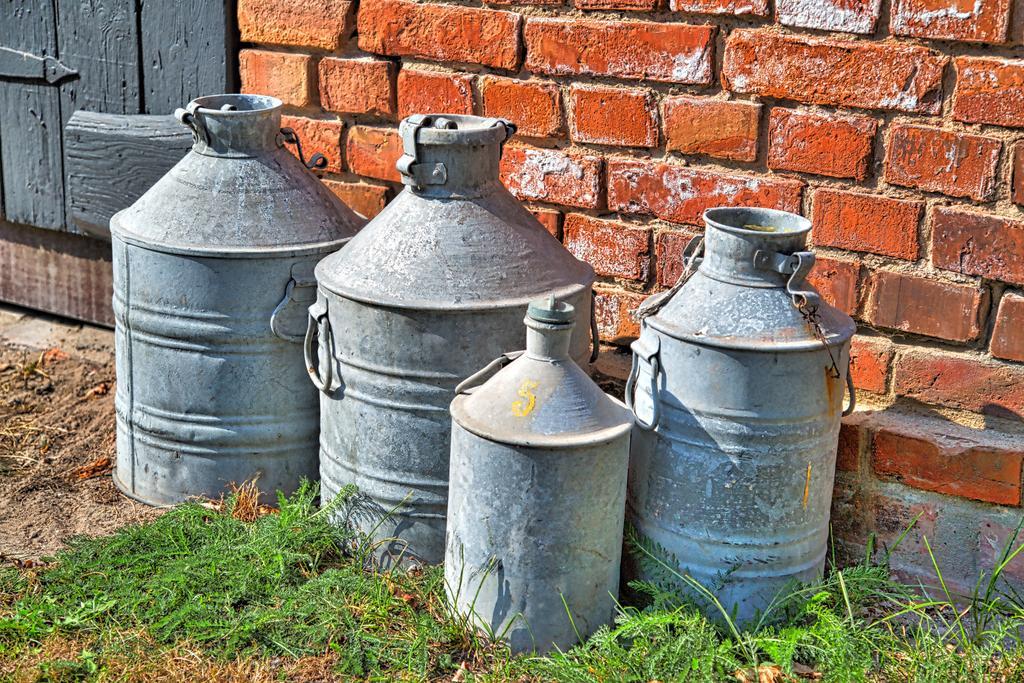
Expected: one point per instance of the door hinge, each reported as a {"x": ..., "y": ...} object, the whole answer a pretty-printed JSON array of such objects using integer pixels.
[{"x": 18, "y": 64}]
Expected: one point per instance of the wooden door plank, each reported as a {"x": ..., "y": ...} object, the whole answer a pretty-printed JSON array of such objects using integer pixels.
[
  {"x": 99, "y": 39},
  {"x": 112, "y": 159},
  {"x": 30, "y": 122},
  {"x": 188, "y": 50}
]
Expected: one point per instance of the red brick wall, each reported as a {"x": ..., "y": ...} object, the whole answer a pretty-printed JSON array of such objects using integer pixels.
[{"x": 896, "y": 126}]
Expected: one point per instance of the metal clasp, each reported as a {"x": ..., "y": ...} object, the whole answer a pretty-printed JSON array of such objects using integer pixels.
[
  {"x": 646, "y": 351},
  {"x": 413, "y": 172},
  {"x": 797, "y": 266}
]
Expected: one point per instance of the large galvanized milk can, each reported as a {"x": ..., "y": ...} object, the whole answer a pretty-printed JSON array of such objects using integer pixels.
[
  {"x": 538, "y": 488},
  {"x": 213, "y": 274},
  {"x": 430, "y": 290},
  {"x": 737, "y": 386}
]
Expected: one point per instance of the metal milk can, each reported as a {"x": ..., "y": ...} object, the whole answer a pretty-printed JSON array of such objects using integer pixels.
[
  {"x": 737, "y": 388},
  {"x": 213, "y": 273},
  {"x": 538, "y": 486},
  {"x": 430, "y": 290}
]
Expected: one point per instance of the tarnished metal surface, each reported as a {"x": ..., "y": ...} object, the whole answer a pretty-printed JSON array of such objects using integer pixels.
[
  {"x": 538, "y": 484},
  {"x": 741, "y": 380},
  {"x": 213, "y": 273},
  {"x": 432, "y": 289}
]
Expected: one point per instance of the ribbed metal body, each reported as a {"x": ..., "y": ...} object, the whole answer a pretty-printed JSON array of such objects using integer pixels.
[
  {"x": 538, "y": 483},
  {"x": 733, "y": 480},
  {"x": 213, "y": 273},
  {"x": 434, "y": 287}
]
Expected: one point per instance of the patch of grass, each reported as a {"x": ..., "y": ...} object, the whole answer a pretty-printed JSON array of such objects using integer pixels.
[{"x": 232, "y": 593}]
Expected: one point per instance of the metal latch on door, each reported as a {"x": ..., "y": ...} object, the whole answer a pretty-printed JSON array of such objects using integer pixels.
[{"x": 18, "y": 64}]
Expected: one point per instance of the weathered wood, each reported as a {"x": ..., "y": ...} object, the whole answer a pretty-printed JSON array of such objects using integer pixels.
[
  {"x": 188, "y": 50},
  {"x": 111, "y": 159},
  {"x": 99, "y": 39},
  {"x": 30, "y": 122},
  {"x": 65, "y": 274}
]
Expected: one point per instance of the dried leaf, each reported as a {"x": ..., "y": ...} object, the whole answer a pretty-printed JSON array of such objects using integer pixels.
[
  {"x": 97, "y": 468},
  {"x": 54, "y": 355},
  {"x": 101, "y": 389},
  {"x": 804, "y": 671}
]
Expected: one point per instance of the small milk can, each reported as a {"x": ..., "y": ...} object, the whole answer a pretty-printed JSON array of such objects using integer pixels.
[
  {"x": 737, "y": 389},
  {"x": 538, "y": 486},
  {"x": 430, "y": 290},
  {"x": 213, "y": 274}
]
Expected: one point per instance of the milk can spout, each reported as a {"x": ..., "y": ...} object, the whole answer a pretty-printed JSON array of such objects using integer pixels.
[{"x": 549, "y": 325}]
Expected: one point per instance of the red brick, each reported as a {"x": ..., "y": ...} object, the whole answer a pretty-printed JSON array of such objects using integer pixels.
[
  {"x": 534, "y": 106},
  {"x": 550, "y": 219},
  {"x": 637, "y": 5},
  {"x": 681, "y": 194},
  {"x": 848, "y": 16},
  {"x": 989, "y": 90},
  {"x": 819, "y": 71},
  {"x": 870, "y": 362},
  {"x": 552, "y": 175},
  {"x": 865, "y": 222},
  {"x": 445, "y": 33},
  {"x": 1008, "y": 334},
  {"x": 613, "y": 116},
  {"x": 323, "y": 24},
  {"x": 758, "y": 8},
  {"x": 925, "y": 306},
  {"x": 854, "y": 437},
  {"x": 357, "y": 86},
  {"x": 284, "y": 75},
  {"x": 317, "y": 135},
  {"x": 718, "y": 128},
  {"x": 536, "y": 3},
  {"x": 978, "y": 244},
  {"x": 434, "y": 92},
  {"x": 935, "y": 160},
  {"x": 837, "y": 282},
  {"x": 983, "y": 21},
  {"x": 614, "y": 311},
  {"x": 373, "y": 152},
  {"x": 365, "y": 199},
  {"x": 961, "y": 381},
  {"x": 1017, "y": 177},
  {"x": 675, "y": 53},
  {"x": 668, "y": 249},
  {"x": 949, "y": 463},
  {"x": 614, "y": 249},
  {"x": 826, "y": 144}
]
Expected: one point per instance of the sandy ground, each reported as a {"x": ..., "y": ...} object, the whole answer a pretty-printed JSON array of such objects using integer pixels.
[{"x": 56, "y": 437}]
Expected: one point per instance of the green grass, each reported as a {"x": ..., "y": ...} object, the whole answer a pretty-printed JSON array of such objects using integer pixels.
[{"x": 288, "y": 597}]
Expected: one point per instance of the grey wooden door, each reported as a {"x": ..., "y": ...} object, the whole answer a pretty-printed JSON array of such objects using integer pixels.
[{"x": 112, "y": 56}]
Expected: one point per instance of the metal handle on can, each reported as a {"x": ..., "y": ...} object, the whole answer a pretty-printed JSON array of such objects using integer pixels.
[
  {"x": 311, "y": 351},
  {"x": 189, "y": 116},
  {"x": 850, "y": 388},
  {"x": 478, "y": 377},
  {"x": 316, "y": 162},
  {"x": 289, "y": 298},
  {"x": 651, "y": 358},
  {"x": 595, "y": 335}
]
